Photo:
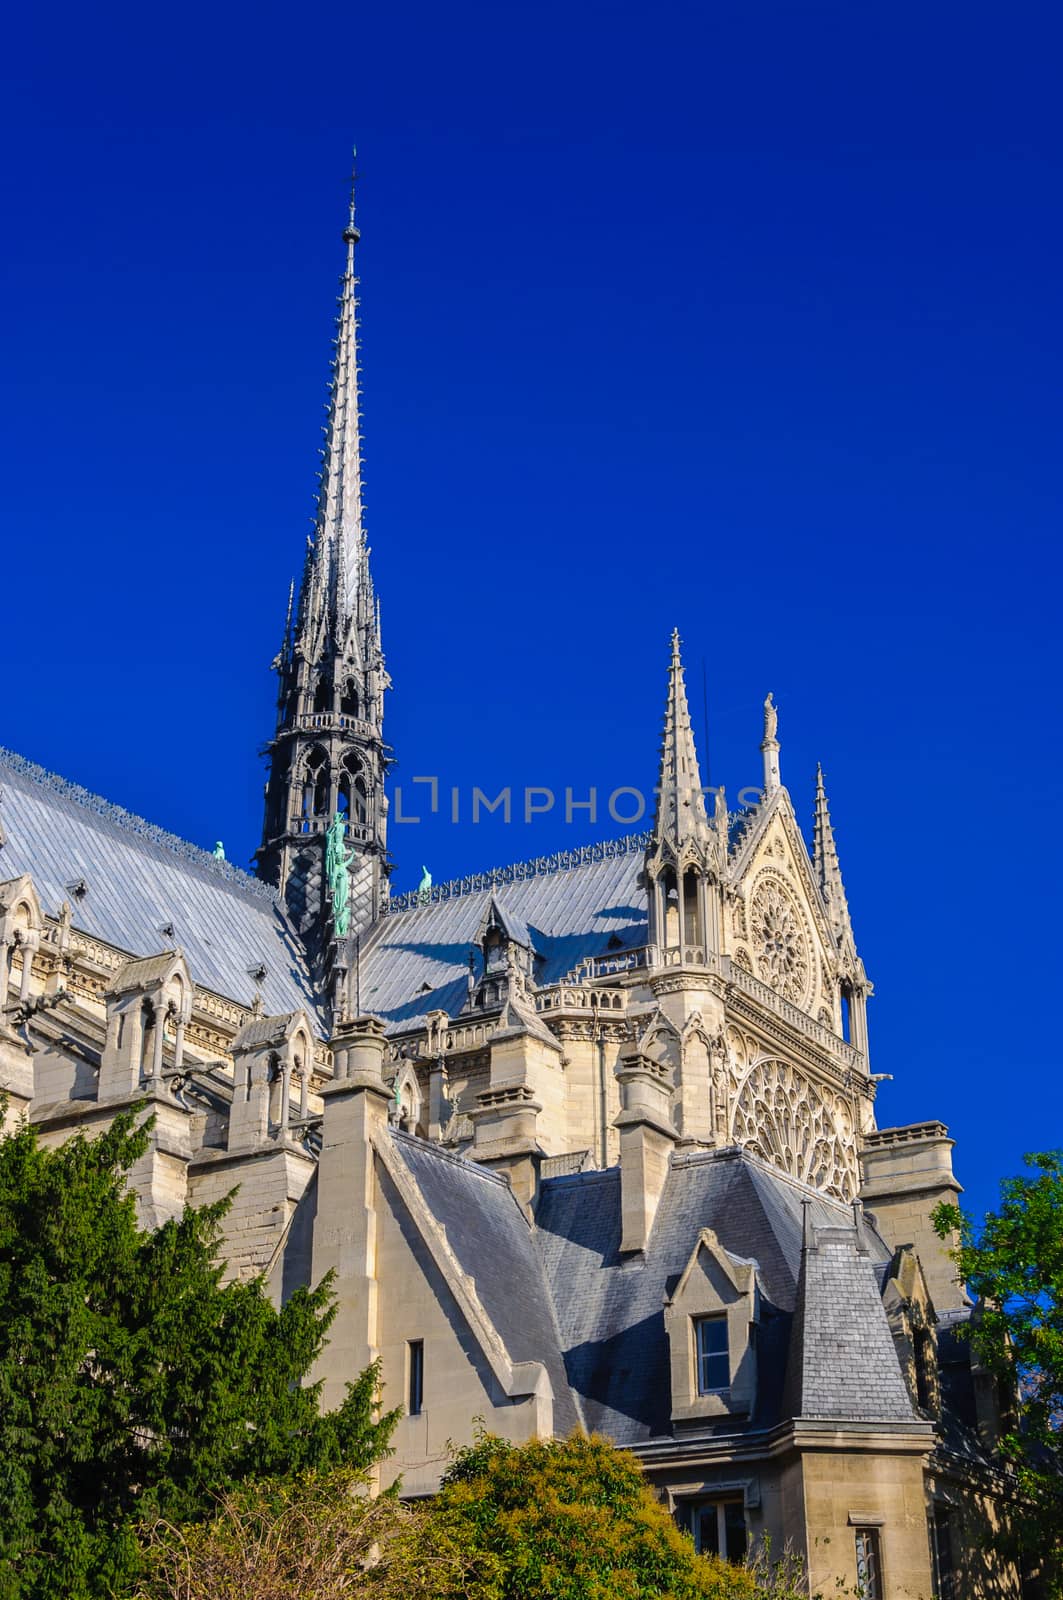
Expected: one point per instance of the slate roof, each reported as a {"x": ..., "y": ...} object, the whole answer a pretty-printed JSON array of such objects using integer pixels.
[
  {"x": 842, "y": 1363},
  {"x": 416, "y": 959},
  {"x": 490, "y": 1237},
  {"x": 610, "y": 1308},
  {"x": 140, "y": 880}
]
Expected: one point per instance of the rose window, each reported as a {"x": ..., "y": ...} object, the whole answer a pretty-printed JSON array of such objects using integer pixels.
[{"x": 782, "y": 956}]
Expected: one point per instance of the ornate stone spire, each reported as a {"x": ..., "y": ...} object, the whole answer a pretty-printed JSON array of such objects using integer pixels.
[
  {"x": 825, "y": 861},
  {"x": 681, "y": 819},
  {"x": 324, "y": 839},
  {"x": 337, "y": 597}
]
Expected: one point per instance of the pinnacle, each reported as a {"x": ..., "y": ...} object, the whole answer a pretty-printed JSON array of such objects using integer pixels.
[{"x": 681, "y": 816}]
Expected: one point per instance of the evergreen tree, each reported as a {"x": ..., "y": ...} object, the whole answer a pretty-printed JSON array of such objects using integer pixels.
[{"x": 133, "y": 1383}]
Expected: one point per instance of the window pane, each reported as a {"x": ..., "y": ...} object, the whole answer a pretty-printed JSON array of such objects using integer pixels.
[
  {"x": 714, "y": 1367},
  {"x": 703, "y": 1520},
  {"x": 415, "y": 1399},
  {"x": 941, "y": 1546},
  {"x": 868, "y": 1564},
  {"x": 734, "y": 1530},
  {"x": 706, "y": 1529}
]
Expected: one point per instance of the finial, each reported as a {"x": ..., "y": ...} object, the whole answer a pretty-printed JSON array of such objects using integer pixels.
[
  {"x": 770, "y": 746},
  {"x": 675, "y": 648},
  {"x": 350, "y": 232}
]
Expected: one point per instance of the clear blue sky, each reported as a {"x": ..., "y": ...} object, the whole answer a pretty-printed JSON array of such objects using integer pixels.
[{"x": 739, "y": 318}]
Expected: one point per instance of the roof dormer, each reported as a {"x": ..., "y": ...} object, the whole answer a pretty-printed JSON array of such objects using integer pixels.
[{"x": 710, "y": 1320}]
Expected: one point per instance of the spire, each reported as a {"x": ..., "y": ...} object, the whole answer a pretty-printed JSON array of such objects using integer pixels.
[
  {"x": 825, "y": 861},
  {"x": 681, "y": 817},
  {"x": 324, "y": 805},
  {"x": 336, "y": 586}
]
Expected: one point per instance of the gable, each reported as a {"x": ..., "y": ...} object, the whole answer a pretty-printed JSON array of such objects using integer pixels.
[{"x": 777, "y": 928}]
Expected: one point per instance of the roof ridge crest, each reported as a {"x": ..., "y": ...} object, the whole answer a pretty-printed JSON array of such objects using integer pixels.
[{"x": 518, "y": 871}]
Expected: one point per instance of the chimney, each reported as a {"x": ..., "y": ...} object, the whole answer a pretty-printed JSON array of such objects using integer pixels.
[
  {"x": 647, "y": 1138},
  {"x": 906, "y": 1173},
  {"x": 355, "y": 1111}
]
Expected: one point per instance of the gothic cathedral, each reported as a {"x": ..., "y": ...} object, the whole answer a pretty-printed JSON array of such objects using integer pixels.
[{"x": 589, "y": 1142}]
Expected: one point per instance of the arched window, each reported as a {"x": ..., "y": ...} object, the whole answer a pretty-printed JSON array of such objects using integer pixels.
[
  {"x": 847, "y": 1013},
  {"x": 349, "y": 702},
  {"x": 322, "y": 695},
  {"x": 670, "y": 906},
  {"x": 354, "y": 792},
  {"x": 691, "y": 908},
  {"x": 315, "y": 784},
  {"x": 150, "y": 1019}
]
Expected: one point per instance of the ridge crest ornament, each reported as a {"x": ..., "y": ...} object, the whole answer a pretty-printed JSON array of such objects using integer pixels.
[{"x": 779, "y": 940}]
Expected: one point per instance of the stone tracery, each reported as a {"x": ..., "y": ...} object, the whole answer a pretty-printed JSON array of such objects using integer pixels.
[
  {"x": 785, "y": 1118},
  {"x": 779, "y": 938}
]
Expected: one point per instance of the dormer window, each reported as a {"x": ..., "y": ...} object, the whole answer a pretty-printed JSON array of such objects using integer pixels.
[
  {"x": 710, "y": 1320},
  {"x": 711, "y": 1354}
]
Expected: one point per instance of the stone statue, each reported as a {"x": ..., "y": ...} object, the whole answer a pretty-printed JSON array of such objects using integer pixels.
[
  {"x": 720, "y": 812},
  {"x": 771, "y": 718},
  {"x": 337, "y": 863}
]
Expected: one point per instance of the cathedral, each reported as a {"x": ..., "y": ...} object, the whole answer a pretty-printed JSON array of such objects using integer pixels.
[{"x": 588, "y": 1142}]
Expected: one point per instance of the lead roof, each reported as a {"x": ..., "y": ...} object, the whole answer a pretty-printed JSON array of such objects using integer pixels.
[{"x": 145, "y": 890}]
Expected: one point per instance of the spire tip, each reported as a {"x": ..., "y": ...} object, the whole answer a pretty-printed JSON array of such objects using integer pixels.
[{"x": 350, "y": 232}]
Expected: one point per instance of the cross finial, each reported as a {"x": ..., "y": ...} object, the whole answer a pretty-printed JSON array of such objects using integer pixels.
[{"x": 350, "y": 232}]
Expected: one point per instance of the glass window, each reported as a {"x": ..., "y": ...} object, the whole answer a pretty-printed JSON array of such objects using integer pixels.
[
  {"x": 714, "y": 1366},
  {"x": 734, "y": 1518},
  {"x": 868, "y": 1564},
  {"x": 942, "y": 1552},
  {"x": 415, "y": 1387},
  {"x": 718, "y": 1528}
]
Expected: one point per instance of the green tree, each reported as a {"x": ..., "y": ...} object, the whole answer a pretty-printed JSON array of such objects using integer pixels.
[
  {"x": 547, "y": 1520},
  {"x": 133, "y": 1383},
  {"x": 1013, "y": 1267},
  {"x": 570, "y": 1519}
]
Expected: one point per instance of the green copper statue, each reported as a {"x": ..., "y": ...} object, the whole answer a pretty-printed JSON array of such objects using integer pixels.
[
  {"x": 337, "y": 861},
  {"x": 424, "y": 888}
]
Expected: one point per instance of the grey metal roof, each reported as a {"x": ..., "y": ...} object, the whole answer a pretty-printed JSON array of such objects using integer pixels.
[
  {"x": 140, "y": 880},
  {"x": 610, "y": 1308},
  {"x": 416, "y": 960},
  {"x": 490, "y": 1236}
]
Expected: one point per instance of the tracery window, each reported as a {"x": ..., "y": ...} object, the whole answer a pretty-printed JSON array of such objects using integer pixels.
[
  {"x": 315, "y": 784},
  {"x": 353, "y": 799},
  {"x": 785, "y": 1118}
]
